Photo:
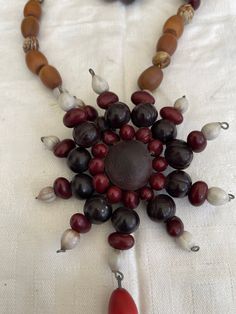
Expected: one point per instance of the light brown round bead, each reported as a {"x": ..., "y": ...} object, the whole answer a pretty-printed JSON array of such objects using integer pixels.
[
  {"x": 50, "y": 77},
  {"x": 174, "y": 25},
  {"x": 187, "y": 13},
  {"x": 161, "y": 59},
  {"x": 151, "y": 78},
  {"x": 168, "y": 43},
  {"x": 33, "y": 8},
  {"x": 35, "y": 60},
  {"x": 30, "y": 26}
]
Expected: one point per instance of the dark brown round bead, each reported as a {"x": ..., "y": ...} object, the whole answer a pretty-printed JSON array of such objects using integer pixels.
[
  {"x": 125, "y": 220},
  {"x": 106, "y": 99},
  {"x": 86, "y": 134},
  {"x": 161, "y": 208},
  {"x": 197, "y": 141},
  {"x": 121, "y": 241},
  {"x": 178, "y": 183},
  {"x": 198, "y": 193},
  {"x": 178, "y": 154},
  {"x": 175, "y": 226},
  {"x": 164, "y": 130},
  {"x": 74, "y": 117}
]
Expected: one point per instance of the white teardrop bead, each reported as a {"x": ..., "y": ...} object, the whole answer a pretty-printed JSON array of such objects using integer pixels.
[
  {"x": 47, "y": 195},
  {"x": 66, "y": 101},
  {"x": 69, "y": 240},
  {"x": 216, "y": 196},
  {"x": 211, "y": 130},
  {"x": 186, "y": 242},
  {"x": 50, "y": 141},
  {"x": 114, "y": 260},
  {"x": 181, "y": 104},
  {"x": 79, "y": 102},
  {"x": 58, "y": 90},
  {"x": 99, "y": 85}
]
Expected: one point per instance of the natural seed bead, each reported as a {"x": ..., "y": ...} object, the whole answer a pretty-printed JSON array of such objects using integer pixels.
[
  {"x": 171, "y": 114},
  {"x": 46, "y": 195},
  {"x": 33, "y": 8},
  {"x": 30, "y": 43},
  {"x": 175, "y": 226},
  {"x": 80, "y": 223},
  {"x": 211, "y": 130},
  {"x": 62, "y": 188},
  {"x": 161, "y": 59},
  {"x": 197, "y": 141},
  {"x": 187, "y": 13},
  {"x": 35, "y": 60},
  {"x": 168, "y": 43},
  {"x": 30, "y": 26},
  {"x": 63, "y": 148},
  {"x": 142, "y": 97},
  {"x": 217, "y": 196},
  {"x": 69, "y": 240},
  {"x": 114, "y": 260},
  {"x": 130, "y": 199},
  {"x": 66, "y": 101},
  {"x": 50, "y": 77},
  {"x": 146, "y": 193},
  {"x": 157, "y": 181},
  {"x": 174, "y": 25},
  {"x": 159, "y": 164},
  {"x": 181, "y": 104},
  {"x": 162, "y": 207},
  {"x": 186, "y": 242},
  {"x": 198, "y": 193},
  {"x": 121, "y": 241},
  {"x": 151, "y": 78},
  {"x": 114, "y": 195},
  {"x": 50, "y": 141}
]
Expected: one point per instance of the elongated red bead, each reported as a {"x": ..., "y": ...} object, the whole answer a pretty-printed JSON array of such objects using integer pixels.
[
  {"x": 159, "y": 164},
  {"x": 80, "y": 223},
  {"x": 157, "y": 181},
  {"x": 144, "y": 135},
  {"x": 63, "y": 148},
  {"x": 96, "y": 166},
  {"x": 91, "y": 112},
  {"x": 198, "y": 193},
  {"x": 100, "y": 150},
  {"x": 101, "y": 183},
  {"x": 142, "y": 97},
  {"x": 146, "y": 193},
  {"x": 106, "y": 99},
  {"x": 110, "y": 137},
  {"x": 131, "y": 199},
  {"x": 171, "y": 114},
  {"x": 121, "y": 302},
  {"x": 155, "y": 147},
  {"x": 121, "y": 241},
  {"x": 127, "y": 132},
  {"x": 175, "y": 226},
  {"x": 114, "y": 195},
  {"x": 74, "y": 117},
  {"x": 62, "y": 188},
  {"x": 197, "y": 141}
]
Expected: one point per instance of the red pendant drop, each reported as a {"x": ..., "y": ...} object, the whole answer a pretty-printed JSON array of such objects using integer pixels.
[{"x": 121, "y": 302}]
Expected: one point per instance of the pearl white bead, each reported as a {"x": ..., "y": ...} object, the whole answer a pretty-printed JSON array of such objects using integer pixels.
[
  {"x": 69, "y": 240},
  {"x": 186, "y": 242},
  {"x": 114, "y": 260},
  {"x": 99, "y": 85},
  {"x": 211, "y": 130},
  {"x": 66, "y": 101},
  {"x": 50, "y": 141},
  {"x": 47, "y": 195},
  {"x": 216, "y": 196},
  {"x": 181, "y": 104}
]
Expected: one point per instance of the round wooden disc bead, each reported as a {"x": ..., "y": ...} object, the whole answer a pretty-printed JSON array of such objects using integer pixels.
[
  {"x": 33, "y": 8},
  {"x": 161, "y": 59},
  {"x": 35, "y": 60},
  {"x": 30, "y": 26},
  {"x": 174, "y": 25},
  {"x": 50, "y": 77},
  {"x": 151, "y": 78},
  {"x": 168, "y": 43}
]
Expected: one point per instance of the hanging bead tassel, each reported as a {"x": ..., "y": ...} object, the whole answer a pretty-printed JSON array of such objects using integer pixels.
[{"x": 99, "y": 85}]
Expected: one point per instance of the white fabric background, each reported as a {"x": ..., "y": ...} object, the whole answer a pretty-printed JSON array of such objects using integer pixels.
[{"x": 118, "y": 42}]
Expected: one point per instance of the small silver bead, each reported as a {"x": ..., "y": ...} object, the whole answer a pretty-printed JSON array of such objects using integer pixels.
[{"x": 30, "y": 43}]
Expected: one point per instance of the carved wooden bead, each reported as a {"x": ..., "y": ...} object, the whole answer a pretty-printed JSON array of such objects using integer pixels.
[
  {"x": 35, "y": 60},
  {"x": 151, "y": 78},
  {"x": 33, "y": 8},
  {"x": 161, "y": 59},
  {"x": 30, "y": 43},
  {"x": 30, "y": 26},
  {"x": 50, "y": 77},
  {"x": 187, "y": 13},
  {"x": 174, "y": 25},
  {"x": 168, "y": 43}
]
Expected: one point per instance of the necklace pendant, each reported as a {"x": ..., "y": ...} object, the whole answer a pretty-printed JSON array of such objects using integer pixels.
[{"x": 121, "y": 302}]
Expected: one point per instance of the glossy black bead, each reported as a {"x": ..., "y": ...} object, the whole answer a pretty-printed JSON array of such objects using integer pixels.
[
  {"x": 125, "y": 220},
  {"x": 164, "y": 130},
  {"x": 178, "y": 183},
  {"x": 86, "y": 134},
  {"x": 97, "y": 209},
  {"x": 78, "y": 159},
  {"x": 144, "y": 115},
  {"x": 117, "y": 115},
  {"x": 82, "y": 186},
  {"x": 178, "y": 154},
  {"x": 161, "y": 208},
  {"x": 102, "y": 124}
]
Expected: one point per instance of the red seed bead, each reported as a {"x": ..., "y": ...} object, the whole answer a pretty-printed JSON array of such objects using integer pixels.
[
  {"x": 62, "y": 188},
  {"x": 96, "y": 166},
  {"x": 144, "y": 135},
  {"x": 127, "y": 132},
  {"x": 100, "y": 150},
  {"x": 91, "y": 112},
  {"x": 146, "y": 194},
  {"x": 155, "y": 147},
  {"x": 110, "y": 137},
  {"x": 157, "y": 181},
  {"x": 74, "y": 117},
  {"x": 63, "y": 148},
  {"x": 121, "y": 302},
  {"x": 142, "y": 97},
  {"x": 171, "y": 114},
  {"x": 175, "y": 226},
  {"x": 80, "y": 223},
  {"x": 121, "y": 241},
  {"x": 197, "y": 141},
  {"x": 159, "y": 164},
  {"x": 101, "y": 183},
  {"x": 195, "y": 3},
  {"x": 131, "y": 199},
  {"x": 198, "y": 193},
  {"x": 114, "y": 195},
  {"x": 106, "y": 99}
]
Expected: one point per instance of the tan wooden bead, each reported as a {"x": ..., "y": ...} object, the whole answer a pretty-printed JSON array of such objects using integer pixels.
[
  {"x": 30, "y": 26},
  {"x": 33, "y": 8},
  {"x": 161, "y": 59},
  {"x": 151, "y": 78},
  {"x": 174, "y": 25},
  {"x": 35, "y": 60},
  {"x": 50, "y": 77},
  {"x": 168, "y": 43}
]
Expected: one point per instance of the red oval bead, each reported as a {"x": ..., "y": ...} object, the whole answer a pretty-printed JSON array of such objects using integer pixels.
[
  {"x": 91, "y": 112},
  {"x": 106, "y": 99},
  {"x": 80, "y": 223},
  {"x": 121, "y": 302},
  {"x": 198, "y": 193},
  {"x": 197, "y": 141},
  {"x": 159, "y": 164},
  {"x": 142, "y": 97},
  {"x": 146, "y": 194},
  {"x": 63, "y": 148},
  {"x": 127, "y": 132},
  {"x": 130, "y": 199},
  {"x": 157, "y": 181},
  {"x": 155, "y": 147},
  {"x": 195, "y": 3},
  {"x": 74, "y": 117},
  {"x": 121, "y": 241},
  {"x": 96, "y": 166},
  {"x": 171, "y": 114},
  {"x": 144, "y": 135},
  {"x": 101, "y": 183},
  {"x": 62, "y": 188},
  {"x": 110, "y": 137},
  {"x": 100, "y": 150},
  {"x": 114, "y": 195},
  {"x": 175, "y": 226}
]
